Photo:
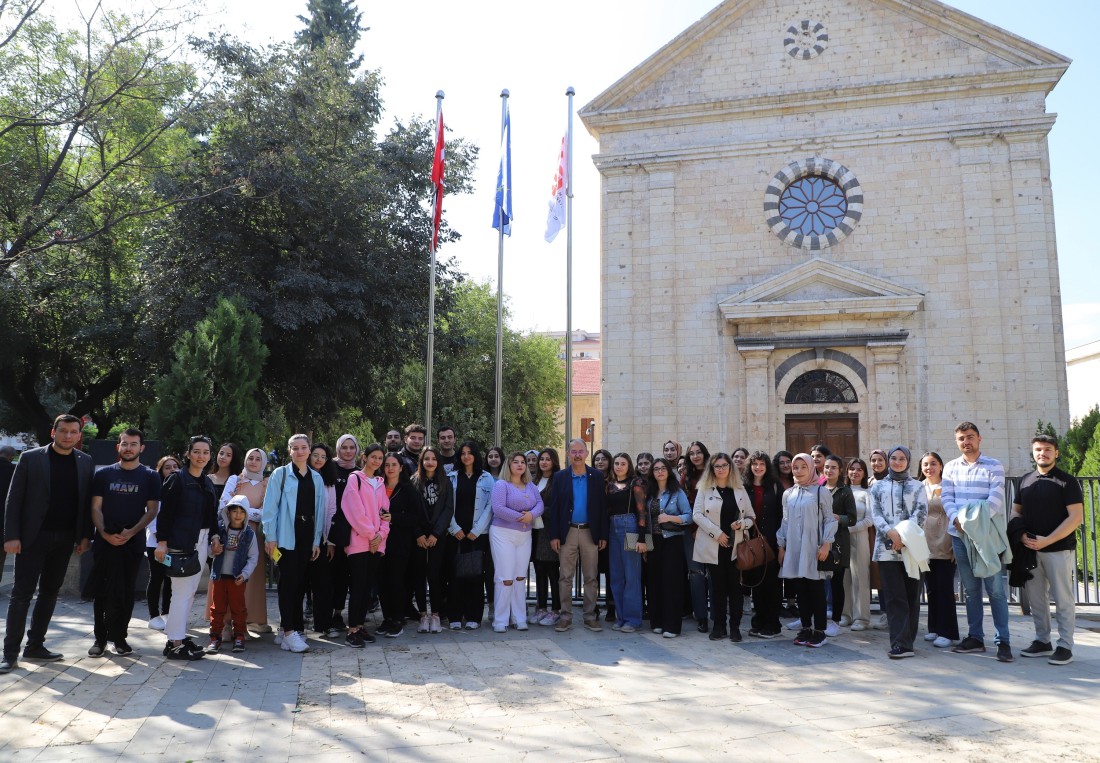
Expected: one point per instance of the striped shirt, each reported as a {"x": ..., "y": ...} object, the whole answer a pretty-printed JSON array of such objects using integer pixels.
[{"x": 963, "y": 482}]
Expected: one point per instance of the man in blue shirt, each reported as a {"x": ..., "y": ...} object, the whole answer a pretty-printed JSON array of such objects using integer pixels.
[{"x": 577, "y": 519}]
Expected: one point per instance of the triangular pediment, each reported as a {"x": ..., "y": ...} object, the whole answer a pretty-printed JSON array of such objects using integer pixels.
[
  {"x": 820, "y": 288},
  {"x": 737, "y": 52}
]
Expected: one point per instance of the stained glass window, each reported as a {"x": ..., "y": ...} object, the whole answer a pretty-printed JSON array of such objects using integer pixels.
[{"x": 813, "y": 205}]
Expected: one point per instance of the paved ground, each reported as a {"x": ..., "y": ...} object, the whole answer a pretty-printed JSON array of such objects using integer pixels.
[{"x": 545, "y": 696}]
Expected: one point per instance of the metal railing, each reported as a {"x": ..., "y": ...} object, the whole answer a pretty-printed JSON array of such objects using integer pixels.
[{"x": 1087, "y": 569}]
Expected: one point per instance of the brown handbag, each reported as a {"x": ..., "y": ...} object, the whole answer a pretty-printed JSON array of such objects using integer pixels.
[{"x": 753, "y": 551}]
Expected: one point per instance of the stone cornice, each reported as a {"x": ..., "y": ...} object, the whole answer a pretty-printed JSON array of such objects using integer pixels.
[
  {"x": 1031, "y": 128},
  {"x": 811, "y": 101}
]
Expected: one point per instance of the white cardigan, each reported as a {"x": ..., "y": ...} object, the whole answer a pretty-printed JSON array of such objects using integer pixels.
[{"x": 707, "y": 514}]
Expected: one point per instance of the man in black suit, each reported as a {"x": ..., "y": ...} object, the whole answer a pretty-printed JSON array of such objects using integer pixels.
[
  {"x": 7, "y": 455},
  {"x": 577, "y": 518},
  {"x": 47, "y": 517}
]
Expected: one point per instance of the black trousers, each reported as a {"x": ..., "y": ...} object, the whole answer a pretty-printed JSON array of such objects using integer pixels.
[
  {"x": 902, "y": 595},
  {"x": 651, "y": 573},
  {"x": 41, "y": 566},
  {"x": 465, "y": 598},
  {"x": 767, "y": 598},
  {"x": 339, "y": 571},
  {"x": 547, "y": 590},
  {"x": 836, "y": 585},
  {"x": 939, "y": 582},
  {"x": 362, "y": 569},
  {"x": 811, "y": 602},
  {"x": 293, "y": 567},
  {"x": 320, "y": 584},
  {"x": 158, "y": 593},
  {"x": 725, "y": 588},
  {"x": 114, "y": 575},
  {"x": 437, "y": 579},
  {"x": 394, "y": 575},
  {"x": 418, "y": 576},
  {"x": 672, "y": 571}
]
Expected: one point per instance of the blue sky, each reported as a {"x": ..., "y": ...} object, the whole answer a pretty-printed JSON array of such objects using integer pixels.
[{"x": 473, "y": 50}]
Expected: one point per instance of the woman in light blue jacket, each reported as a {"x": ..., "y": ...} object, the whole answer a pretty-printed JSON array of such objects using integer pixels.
[
  {"x": 669, "y": 516},
  {"x": 472, "y": 487},
  {"x": 294, "y": 516}
]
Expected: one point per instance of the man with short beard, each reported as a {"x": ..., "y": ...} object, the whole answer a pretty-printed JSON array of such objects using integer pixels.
[
  {"x": 415, "y": 434},
  {"x": 393, "y": 441},
  {"x": 445, "y": 437},
  {"x": 125, "y": 498}
]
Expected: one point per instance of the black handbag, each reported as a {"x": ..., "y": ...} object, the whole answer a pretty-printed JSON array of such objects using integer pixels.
[
  {"x": 469, "y": 565},
  {"x": 182, "y": 564},
  {"x": 832, "y": 561},
  {"x": 339, "y": 533}
]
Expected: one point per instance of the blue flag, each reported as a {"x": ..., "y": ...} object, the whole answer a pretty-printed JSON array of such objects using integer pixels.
[{"x": 502, "y": 212}]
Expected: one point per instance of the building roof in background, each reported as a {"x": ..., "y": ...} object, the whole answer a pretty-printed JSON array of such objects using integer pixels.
[{"x": 586, "y": 376}]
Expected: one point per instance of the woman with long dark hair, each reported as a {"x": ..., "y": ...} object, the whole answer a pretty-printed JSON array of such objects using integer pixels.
[
  {"x": 294, "y": 518},
  {"x": 473, "y": 491},
  {"x": 844, "y": 510},
  {"x": 408, "y": 521},
  {"x": 669, "y": 514},
  {"x": 697, "y": 458},
  {"x": 547, "y": 590},
  {"x": 187, "y": 523},
  {"x": 722, "y": 512},
  {"x": 365, "y": 504},
  {"x": 781, "y": 463},
  {"x": 494, "y": 461},
  {"x": 319, "y": 571},
  {"x": 625, "y": 562},
  {"x": 767, "y": 502},
  {"x": 158, "y": 593},
  {"x": 601, "y": 461},
  {"x": 435, "y": 490},
  {"x": 229, "y": 462}
]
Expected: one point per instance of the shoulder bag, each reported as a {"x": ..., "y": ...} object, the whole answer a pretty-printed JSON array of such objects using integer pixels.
[
  {"x": 832, "y": 561},
  {"x": 754, "y": 551},
  {"x": 181, "y": 564}
]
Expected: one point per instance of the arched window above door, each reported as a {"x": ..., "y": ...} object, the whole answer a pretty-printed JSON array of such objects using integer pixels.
[{"x": 820, "y": 386}]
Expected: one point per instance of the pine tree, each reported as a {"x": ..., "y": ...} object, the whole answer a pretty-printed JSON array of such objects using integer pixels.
[
  {"x": 328, "y": 20},
  {"x": 211, "y": 386}
]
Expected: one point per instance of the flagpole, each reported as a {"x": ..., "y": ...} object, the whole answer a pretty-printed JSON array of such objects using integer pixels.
[
  {"x": 431, "y": 283},
  {"x": 500, "y": 288},
  {"x": 570, "y": 92}
]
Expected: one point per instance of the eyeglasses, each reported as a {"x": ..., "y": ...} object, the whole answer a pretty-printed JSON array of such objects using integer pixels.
[{"x": 722, "y": 465}]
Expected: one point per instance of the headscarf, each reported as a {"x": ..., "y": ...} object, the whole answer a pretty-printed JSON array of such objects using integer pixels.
[
  {"x": 255, "y": 476},
  {"x": 811, "y": 470},
  {"x": 901, "y": 476},
  {"x": 886, "y": 458},
  {"x": 351, "y": 464}
]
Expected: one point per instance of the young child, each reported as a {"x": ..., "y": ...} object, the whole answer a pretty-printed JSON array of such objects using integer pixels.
[{"x": 229, "y": 571}]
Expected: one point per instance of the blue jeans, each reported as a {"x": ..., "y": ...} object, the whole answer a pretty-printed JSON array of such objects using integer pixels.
[
  {"x": 994, "y": 588},
  {"x": 626, "y": 571},
  {"x": 697, "y": 580}
]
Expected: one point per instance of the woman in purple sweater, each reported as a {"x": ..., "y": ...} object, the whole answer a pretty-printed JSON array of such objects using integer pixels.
[{"x": 516, "y": 503}]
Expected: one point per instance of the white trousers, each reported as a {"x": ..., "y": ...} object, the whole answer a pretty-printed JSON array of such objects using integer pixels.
[
  {"x": 511, "y": 551},
  {"x": 183, "y": 593}
]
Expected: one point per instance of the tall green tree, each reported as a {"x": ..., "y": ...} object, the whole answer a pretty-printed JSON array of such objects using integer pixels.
[
  {"x": 332, "y": 20},
  {"x": 325, "y": 233},
  {"x": 465, "y": 377},
  {"x": 212, "y": 384},
  {"x": 1078, "y": 440}
]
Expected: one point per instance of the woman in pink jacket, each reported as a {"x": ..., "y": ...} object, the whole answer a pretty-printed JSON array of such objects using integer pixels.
[{"x": 367, "y": 510}]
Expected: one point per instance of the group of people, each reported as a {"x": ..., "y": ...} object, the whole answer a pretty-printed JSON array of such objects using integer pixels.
[{"x": 434, "y": 531}]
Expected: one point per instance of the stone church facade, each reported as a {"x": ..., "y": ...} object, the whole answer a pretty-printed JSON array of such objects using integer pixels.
[{"x": 831, "y": 220}]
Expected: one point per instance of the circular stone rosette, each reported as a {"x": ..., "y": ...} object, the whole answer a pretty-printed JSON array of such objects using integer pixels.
[
  {"x": 806, "y": 39},
  {"x": 813, "y": 204}
]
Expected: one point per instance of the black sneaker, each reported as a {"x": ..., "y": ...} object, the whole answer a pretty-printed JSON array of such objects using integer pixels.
[
  {"x": 817, "y": 639},
  {"x": 192, "y": 646},
  {"x": 396, "y": 629},
  {"x": 703, "y": 626},
  {"x": 338, "y": 622},
  {"x": 1037, "y": 649},
  {"x": 969, "y": 645},
  {"x": 123, "y": 649},
  {"x": 97, "y": 649},
  {"x": 755, "y": 633},
  {"x": 238, "y": 645},
  {"x": 803, "y": 637},
  {"x": 1004, "y": 653},
  {"x": 355, "y": 640},
  {"x": 1061, "y": 656},
  {"x": 735, "y": 635},
  {"x": 717, "y": 634},
  {"x": 899, "y": 653},
  {"x": 181, "y": 652},
  {"x": 365, "y": 636},
  {"x": 8, "y": 664},
  {"x": 40, "y": 653}
]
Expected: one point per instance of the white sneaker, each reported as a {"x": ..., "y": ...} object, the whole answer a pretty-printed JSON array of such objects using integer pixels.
[
  {"x": 281, "y": 640},
  {"x": 550, "y": 618},
  {"x": 943, "y": 642},
  {"x": 157, "y": 623},
  {"x": 455, "y": 625},
  {"x": 435, "y": 626},
  {"x": 297, "y": 642},
  {"x": 832, "y": 629},
  {"x": 472, "y": 626},
  {"x": 794, "y": 625},
  {"x": 858, "y": 626},
  {"x": 883, "y": 623},
  {"x": 425, "y": 623},
  {"x": 278, "y": 638},
  {"x": 500, "y": 629},
  {"x": 845, "y": 621},
  {"x": 930, "y": 636}
]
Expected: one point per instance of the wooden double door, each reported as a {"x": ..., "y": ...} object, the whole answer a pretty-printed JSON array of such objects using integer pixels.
[{"x": 838, "y": 432}]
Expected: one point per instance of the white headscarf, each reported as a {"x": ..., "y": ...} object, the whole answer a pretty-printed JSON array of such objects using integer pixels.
[{"x": 255, "y": 476}]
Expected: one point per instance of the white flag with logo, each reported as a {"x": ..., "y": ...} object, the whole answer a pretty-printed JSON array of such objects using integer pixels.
[{"x": 555, "y": 220}]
